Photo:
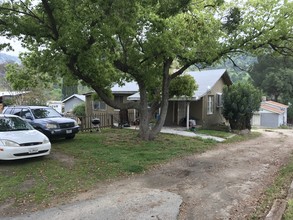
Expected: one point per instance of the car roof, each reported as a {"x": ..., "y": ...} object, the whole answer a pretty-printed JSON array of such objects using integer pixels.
[
  {"x": 27, "y": 106},
  {"x": 8, "y": 115}
]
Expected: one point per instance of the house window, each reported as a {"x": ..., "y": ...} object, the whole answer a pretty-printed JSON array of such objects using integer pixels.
[
  {"x": 210, "y": 105},
  {"x": 219, "y": 100},
  {"x": 99, "y": 105}
]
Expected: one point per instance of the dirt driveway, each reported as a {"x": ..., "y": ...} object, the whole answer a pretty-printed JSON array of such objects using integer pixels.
[{"x": 223, "y": 183}]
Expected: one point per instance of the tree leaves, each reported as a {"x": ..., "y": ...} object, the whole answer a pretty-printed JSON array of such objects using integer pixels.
[
  {"x": 184, "y": 85},
  {"x": 240, "y": 100}
]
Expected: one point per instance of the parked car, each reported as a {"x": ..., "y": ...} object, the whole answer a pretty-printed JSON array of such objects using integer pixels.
[
  {"x": 46, "y": 120},
  {"x": 19, "y": 140}
]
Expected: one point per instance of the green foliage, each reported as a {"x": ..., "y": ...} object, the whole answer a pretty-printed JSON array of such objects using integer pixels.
[
  {"x": 21, "y": 78},
  {"x": 79, "y": 110},
  {"x": 240, "y": 100},
  {"x": 232, "y": 20},
  {"x": 274, "y": 75},
  {"x": 289, "y": 211},
  {"x": 8, "y": 102},
  {"x": 107, "y": 42},
  {"x": 39, "y": 87},
  {"x": 69, "y": 87},
  {"x": 184, "y": 85}
]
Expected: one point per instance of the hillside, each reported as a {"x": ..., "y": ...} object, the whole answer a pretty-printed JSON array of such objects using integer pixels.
[{"x": 5, "y": 58}]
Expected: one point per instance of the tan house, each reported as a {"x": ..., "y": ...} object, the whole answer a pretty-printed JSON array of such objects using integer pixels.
[
  {"x": 98, "y": 107},
  {"x": 205, "y": 107}
]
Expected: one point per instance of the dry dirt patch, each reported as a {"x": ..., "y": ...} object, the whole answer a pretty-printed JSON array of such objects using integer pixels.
[
  {"x": 224, "y": 183},
  {"x": 64, "y": 159}
]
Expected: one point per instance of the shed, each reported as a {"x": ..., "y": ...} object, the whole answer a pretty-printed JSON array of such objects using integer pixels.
[
  {"x": 72, "y": 101},
  {"x": 271, "y": 114}
]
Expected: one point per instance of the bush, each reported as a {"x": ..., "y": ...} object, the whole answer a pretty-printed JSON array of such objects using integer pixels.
[
  {"x": 240, "y": 100},
  {"x": 79, "y": 110}
]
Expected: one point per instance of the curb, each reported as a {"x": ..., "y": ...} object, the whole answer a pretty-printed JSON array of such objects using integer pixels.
[
  {"x": 279, "y": 206},
  {"x": 277, "y": 210}
]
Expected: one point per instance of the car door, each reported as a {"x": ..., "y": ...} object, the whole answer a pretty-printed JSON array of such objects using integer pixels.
[
  {"x": 27, "y": 115},
  {"x": 15, "y": 111}
]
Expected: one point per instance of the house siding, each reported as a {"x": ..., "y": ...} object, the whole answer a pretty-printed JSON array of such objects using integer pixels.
[
  {"x": 170, "y": 113},
  {"x": 177, "y": 110},
  {"x": 216, "y": 117},
  {"x": 71, "y": 103},
  {"x": 108, "y": 111},
  {"x": 196, "y": 111}
]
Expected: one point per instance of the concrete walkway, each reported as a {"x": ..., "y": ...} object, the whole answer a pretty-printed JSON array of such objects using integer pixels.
[
  {"x": 183, "y": 132},
  {"x": 145, "y": 204},
  {"x": 179, "y": 131}
]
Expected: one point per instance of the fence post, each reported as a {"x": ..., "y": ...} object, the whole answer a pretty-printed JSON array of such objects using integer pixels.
[{"x": 112, "y": 121}]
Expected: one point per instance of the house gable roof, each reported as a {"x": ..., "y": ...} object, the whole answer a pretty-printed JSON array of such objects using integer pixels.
[
  {"x": 12, "y": 93},
  {"x": 207, "y": 79},
  {"x": 127, "y": 88},
  {"x": 273, "y": 107},
  {"x": 81, "y": 97},
  {"x": 280, "y": 105}
]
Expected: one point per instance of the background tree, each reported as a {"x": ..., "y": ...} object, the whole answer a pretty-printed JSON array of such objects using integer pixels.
[
  {"x": 69, "y": 87},
  {"x": 240, "y": 100},
  {"x": 274, "y": 75},
  {"x": 38, "y": 87},
  {"x": 107, "y": 42}
]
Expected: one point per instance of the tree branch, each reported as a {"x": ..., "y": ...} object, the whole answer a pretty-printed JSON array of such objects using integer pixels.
[{"x": 51, "y": 18}]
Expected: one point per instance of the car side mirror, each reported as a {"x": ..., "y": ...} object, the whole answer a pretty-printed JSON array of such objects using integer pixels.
[{"x": 29, "y": 117}]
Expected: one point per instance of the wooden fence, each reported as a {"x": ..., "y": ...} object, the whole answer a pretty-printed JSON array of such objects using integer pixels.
[{"x": 106, "y": 120}]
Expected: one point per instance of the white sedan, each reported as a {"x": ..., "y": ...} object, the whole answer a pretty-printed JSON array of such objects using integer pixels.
[{"x": 19, "y": 140}]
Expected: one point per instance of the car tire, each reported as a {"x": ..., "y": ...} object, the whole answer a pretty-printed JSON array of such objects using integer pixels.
[{"x": 70, "y": 136}]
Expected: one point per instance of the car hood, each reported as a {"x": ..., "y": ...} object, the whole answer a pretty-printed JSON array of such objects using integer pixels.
[
  {"x": 54, "y": 120},
  {"x": 25, "y": 136}
]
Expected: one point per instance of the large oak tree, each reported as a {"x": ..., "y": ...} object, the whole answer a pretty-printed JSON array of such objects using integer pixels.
[{"x": 105, "y": 42}]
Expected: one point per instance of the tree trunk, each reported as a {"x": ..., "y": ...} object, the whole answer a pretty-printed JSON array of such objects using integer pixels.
[
  {"x": 144, "y": 119},
  {"x": 164, "y": 102}
]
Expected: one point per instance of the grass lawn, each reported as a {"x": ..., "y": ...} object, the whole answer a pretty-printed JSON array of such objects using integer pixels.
[
  {"x": 221, "y": 134},
  {"x": 78, "y": 165}
]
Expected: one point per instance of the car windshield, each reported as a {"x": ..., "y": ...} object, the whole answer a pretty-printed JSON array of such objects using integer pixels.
[
  {"x": 13, "y": 124},
  {"x": 45, "y": 113}
]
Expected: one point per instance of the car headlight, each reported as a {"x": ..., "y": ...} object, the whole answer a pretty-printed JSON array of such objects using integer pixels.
[
  {"x": 46, "y": 140},
  {"x": 75, "y": 123},
  {"x": 51, "y": 126},
  {"x": 9, "y": 143}
]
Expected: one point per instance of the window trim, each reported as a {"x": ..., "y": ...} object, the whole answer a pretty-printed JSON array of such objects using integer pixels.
[
  {"x": 99, "y": 109},
  {"x": 210, "y": 105},
  {"x": 219, "y": 96}
]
